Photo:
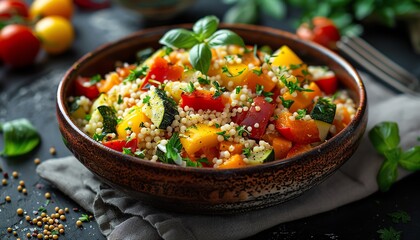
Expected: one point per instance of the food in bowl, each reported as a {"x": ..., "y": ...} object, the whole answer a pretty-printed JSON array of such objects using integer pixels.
[{"x": 247, "y": 106}]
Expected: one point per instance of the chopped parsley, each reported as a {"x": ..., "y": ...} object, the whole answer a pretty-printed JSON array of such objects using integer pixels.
[
  {"x": 136, "y": 73},
  {"x": 259, "y": 89},
  {"x": 127, "y": 151},
  {"x": 98, "y": 137},
  {"x": 198, "y": 163},
  {"x": 95, "y": 79},
  {"x": 226, "y": 71},
  {"x": 294, "y": 86},
  {"x": 84, "y": 218},
  {"x": 294, "y": 66},
  {"x": 88, "y": 117},
  {"x": 286, "y": 103},
  {"x": 246, "y": 152},
  {"x": 301, "y": 113},
  {"x": 258, "y": 72},
  {"x": 255, "y": 51},
  {"x": 203, "y": 81},
  {"x": 219, "y": 90},
  {"x": 120, "y": 100},
  {"x": 146, "y": 100},
  {"x": 241, "y": 130},
  {"x": 224, "y": 135},
  {"x": 167, "y": 50},
  {"x": 139, "y": 153},
  {"x": 229, "y": 58},
  {"x": 238, "y": 89},
  {"x": 190, "y": 88},
  {"x": 217, "y": 125}
]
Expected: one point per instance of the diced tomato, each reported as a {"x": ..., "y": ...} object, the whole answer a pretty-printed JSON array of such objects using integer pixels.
[
  {"x": 239, "y": 117},
  {"x": 328, "y": 84},
  {"x": 83, "y": 87},
  {"x": 201, "y": 99},
  {"x": 119, "y": 144},
  {"x": 297, "y": 131},
  {"x": 161, "y": 70},
  {"x": 321, "y": 30},
  {"x": 260, "y": 114}
]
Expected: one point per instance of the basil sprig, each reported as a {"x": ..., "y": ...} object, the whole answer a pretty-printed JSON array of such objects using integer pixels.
[
  {"x": 386, "y": 139},
  {"x": 20, "y": 137},
  {"x": 203, "y": 36}
]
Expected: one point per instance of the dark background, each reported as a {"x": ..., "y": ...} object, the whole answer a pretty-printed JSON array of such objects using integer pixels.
[{"x": 30, "y": 93}]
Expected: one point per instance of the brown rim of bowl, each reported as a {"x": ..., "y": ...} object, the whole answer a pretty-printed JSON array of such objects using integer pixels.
[{"x": 361, "y": 108}]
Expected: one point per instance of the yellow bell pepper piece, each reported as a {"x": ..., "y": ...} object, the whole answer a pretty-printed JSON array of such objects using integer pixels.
[
  {"x": 131, "y": 121},
  {"x": 233, "y": 75},
  {"x": 198, "y": 137},
  {"x": 285, "y": 57}
]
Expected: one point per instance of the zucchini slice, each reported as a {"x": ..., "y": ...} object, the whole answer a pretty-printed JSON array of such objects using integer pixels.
[
  {"x": 261, "y": 157},
  {"x": 323, "y": 113},
  {"x": 163, "y": 108}
]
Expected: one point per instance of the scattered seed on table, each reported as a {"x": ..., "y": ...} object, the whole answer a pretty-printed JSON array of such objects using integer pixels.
[
  {"x": 19, "y": 211},
  {"x": 37, "y": 161},
  {"x": 28, "y": 235},
  {"x": 79, "y": 223},
  {"x": 52, "y": 151},
  {"x": 24, "y": 191},
  {"x": 63, "y": 218},
  {"x": 9, "y": 230},
  {"x": 47, "y": 195},
  {"x": 22, "y": 183},
  {"x": 28, "y": 218},
  {"x": 15, "y": 233},
  {"x": 66, "y": 210},
  {"x": 19, "y": 188},
  {"x": 8, "y": 199},
  {"x": 39, "y": 236},
  {"x": 15, "y": 174},
  {"x": 4, "y": 181}
]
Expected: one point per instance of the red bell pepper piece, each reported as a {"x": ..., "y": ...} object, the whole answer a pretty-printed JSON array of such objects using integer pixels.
[
  {"x": 120, "y": 144},
  {"x": 328, "y": 84},
  {"x": 200, "y": 99},
  {"x": 259, "y": 113},
  {"x": 161, "y": 70},
  {"x": 83, "y": 87}
]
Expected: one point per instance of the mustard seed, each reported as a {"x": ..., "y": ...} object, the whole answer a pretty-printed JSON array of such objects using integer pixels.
[
  {"x": 24, "y": 191},
  {"x": 39, "y": 223},
  {"x": 43, "y": 214},
  {"x": 9, "y": 229},
  {"x": 15, "y": 174},
  {"x": 19, "y": 188},
  {"x": 61, "y": 231},
  {"x": 55, "y": 236},
  {"x": 79, "y": 223},
  {"x": 39, "y": 236},
  {"x": 19, "y": 211},
  {"x": 15, "y": 233},
  {"x": 51, "y": 221},
  {"x": 61, "y": 211},
  {"x": 66, "y": 210},
  {"x": 60, "y": 226},
  {"x": 28, "y": 218},
  {"x": 52, "y": 151},
  {"x": 63, "y": 218},
  {"x": 45, "y": 232},
  {"x": 56, "y": 209},
  {"x": 34, "y": 221},
  {"x": 28, "y": 235},
  {"x": 4, "y": 181},
  {"x": 51, "y": 227},
  {"x": 47, "y": 195},
  {"x": 37, "y": 161},
  {"x": 22, "y": 183},
  {"x": 8, "y": 199}
]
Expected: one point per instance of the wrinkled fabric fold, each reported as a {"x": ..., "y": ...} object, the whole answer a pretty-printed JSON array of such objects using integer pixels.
[{"x": 122, "y": 217}]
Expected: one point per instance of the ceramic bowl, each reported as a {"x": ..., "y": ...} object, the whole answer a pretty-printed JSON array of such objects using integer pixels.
[{"x": 203, "y": 190}]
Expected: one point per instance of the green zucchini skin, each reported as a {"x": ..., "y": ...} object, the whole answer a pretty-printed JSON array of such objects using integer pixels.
[
  {"x": 324, "y": 111},
  {"x": 261, "y": 157},
  {"x": 163, "y": 108}
]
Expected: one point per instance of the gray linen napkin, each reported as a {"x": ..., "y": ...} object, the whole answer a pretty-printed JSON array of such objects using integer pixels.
[{"x": 122, "y": 217}]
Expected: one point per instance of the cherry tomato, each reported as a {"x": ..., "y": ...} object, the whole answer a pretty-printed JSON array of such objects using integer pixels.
[
  {"x": 201, "y": 99},
  {"x": 162, "y": 70},
  {"x": 44, "y": 8},
  {"x": 119, "y": 144},
  {"x": 320, "y": 30},
  {"x": 18, "y": 45},
  {"x": 83, "y": 87},
  {"x": 56, "y": 34},
  {"x": 10, "y": 8},
  {"x": 328, "y": 84}
]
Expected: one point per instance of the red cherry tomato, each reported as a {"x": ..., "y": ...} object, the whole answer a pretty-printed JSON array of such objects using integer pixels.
[
  {"x": 83, "y": 87},
  {"x": 10, "y": 8},
  {"x": 328, "y": 84},
  {"x": 200, "y": 99},
  {"x": 320, "y": 30},
  {"x": 18, "y": 45},
  {"x": 162, "y": 70},
  {"x": 119, "y": 144}
]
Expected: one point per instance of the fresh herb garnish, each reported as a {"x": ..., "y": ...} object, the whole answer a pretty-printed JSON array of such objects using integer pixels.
[
  {"x": 258, "y": 72},
  {"x": 238, "y": 89},
  {"x": 20, "y": 137},
  {"x": 219, "y": 90},
  {"x": 224, "y": 135},
  {"x": 246, "y": 152},
  {"x": 95, "y": 79},
  {"x": 172, "y": 152},
  {"x": 301, "y": 114},
  {"x": 226, "y": 71},
  {"x": 203, "y": 81},
  {"x": 202, "y": 37},
  {"x": 146, "y": 100},
  {"x": 98, "y": 137},
  {"x": 294, "y": 86},
  {"x": 120, "y": 99},
  {"x": 84, "y": 218},
  {"x": 389, "y": 234},
  {"x": 259, "y": 90},
  {"x": 127, "y": 151},
  {"x": 400, "y": 217},
  {"x": 136, "y": 73},
  {"x": 190, "y": 88},
  {"x": 241, "y": 130},
  {"x": 294, "y": 66},
  {"x": 286, "y": 103},
  {"x": 386, "y": 139}
]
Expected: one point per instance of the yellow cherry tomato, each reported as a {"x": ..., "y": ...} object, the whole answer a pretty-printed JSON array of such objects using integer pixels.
[
  {"x": 56, "y": 34},
  {"x": 44, "y": 8}
]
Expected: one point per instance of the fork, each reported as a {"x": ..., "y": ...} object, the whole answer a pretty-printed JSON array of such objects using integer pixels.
[{"x": 379, "y": 65}]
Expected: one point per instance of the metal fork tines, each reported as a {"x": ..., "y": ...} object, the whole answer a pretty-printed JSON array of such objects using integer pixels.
[{"x": 379, "y": 65}]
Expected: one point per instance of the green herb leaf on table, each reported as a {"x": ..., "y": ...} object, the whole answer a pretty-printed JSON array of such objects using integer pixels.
[
  {"x": 20, "y": 137},
  {"x": 400, "y": 217},
  {"x": 410, "y": 159},
  {"x": 84, "y": 218},
  {"x": 384, "y": 136},
  {"x": 388, "y": 172},
  {"x": 173, "y": 149},
  {"x": 389, "y": 234}
]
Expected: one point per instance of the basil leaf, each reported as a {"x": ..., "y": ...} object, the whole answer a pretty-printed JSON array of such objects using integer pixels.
[
  {"x": 225, "y": 37},
  {"x": 206, "y": 26},
  {"x": 179, "y": 38},
  {"x": 20, "y": 137},
  {"x": 410, "y": 159},
  {"x": 110, "y": 120},
  {"x": 200, "y": 57},
  {"x": 242, "y": 13},
  {"x": 388, "y": 172},
  {"x": 385, "y": 136},
  {"x": 363, "y": 8}
]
